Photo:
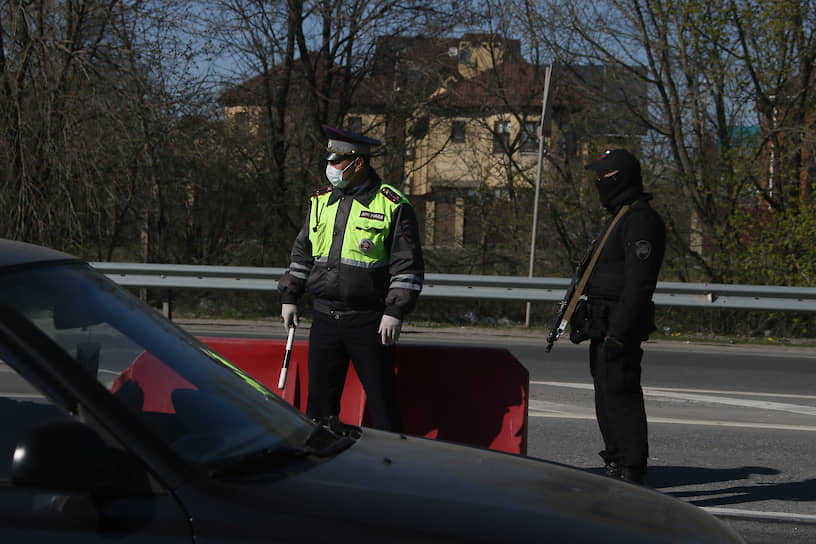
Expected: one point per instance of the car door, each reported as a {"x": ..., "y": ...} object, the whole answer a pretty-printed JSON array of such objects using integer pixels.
[{"x": 37, "y": 513}]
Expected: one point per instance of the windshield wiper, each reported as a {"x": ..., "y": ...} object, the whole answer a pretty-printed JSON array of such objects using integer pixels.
[
  {"x": 331, "y": 435},
  {"x": 259, "y": 460},
  {"x": 322, "y": 442}
]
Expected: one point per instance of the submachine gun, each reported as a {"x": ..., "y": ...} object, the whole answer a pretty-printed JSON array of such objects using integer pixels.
[{"x": 567, "y": 305}]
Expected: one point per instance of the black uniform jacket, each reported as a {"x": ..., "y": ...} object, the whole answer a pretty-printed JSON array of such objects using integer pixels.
[
  {"x": 392, "y": 289},
  {"x": 625, "y": 275}
]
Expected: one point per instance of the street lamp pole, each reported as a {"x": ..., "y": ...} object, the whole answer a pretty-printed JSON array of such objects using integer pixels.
[{"x": 547, "y": 74}]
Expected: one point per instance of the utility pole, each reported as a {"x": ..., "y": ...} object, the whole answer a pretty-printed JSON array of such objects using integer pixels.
[{"x": 547, "y": 74}]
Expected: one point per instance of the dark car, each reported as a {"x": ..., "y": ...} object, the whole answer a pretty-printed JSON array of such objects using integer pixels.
[{"x": 209, "y": 454}]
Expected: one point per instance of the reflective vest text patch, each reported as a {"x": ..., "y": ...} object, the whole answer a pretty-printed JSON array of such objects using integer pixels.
[{"x": 372, "y": 215}]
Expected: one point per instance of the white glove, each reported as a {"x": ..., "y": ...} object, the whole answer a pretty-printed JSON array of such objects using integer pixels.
[
  {"x": 289, "y": 315},
  {"x": 389, "y": 329}
]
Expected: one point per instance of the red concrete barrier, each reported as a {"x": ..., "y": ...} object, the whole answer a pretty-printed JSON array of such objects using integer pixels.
[
  {"x": 475, "y": 396},
  {"x": 155, "y": 381}
]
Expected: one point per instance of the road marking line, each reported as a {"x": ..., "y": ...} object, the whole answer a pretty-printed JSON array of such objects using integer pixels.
[
  {"x": 755, "y": 514},
  {"x": 667, "y": 393},
  {"x": 674, "y": 421},
  {"x": 723, "y": 392},
  {"x": 758, "y": 404},
  {"x": 684, "y": 390}
]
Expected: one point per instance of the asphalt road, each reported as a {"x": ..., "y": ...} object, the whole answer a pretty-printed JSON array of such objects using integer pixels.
[{"x": 732, "y": 427}]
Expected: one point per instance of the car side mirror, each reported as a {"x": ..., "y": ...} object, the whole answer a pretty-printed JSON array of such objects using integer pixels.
[{"x": 68, "y": 455}]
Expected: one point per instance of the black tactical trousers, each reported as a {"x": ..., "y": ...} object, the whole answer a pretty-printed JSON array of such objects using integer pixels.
[
  {"x": 619, "y": 404},
  {"x": 333, "y": 340}
]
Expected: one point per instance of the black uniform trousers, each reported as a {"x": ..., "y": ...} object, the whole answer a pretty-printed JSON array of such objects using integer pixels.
[
  {"x": 333, "y": 340},
  {"x": 619, "y": 404}
]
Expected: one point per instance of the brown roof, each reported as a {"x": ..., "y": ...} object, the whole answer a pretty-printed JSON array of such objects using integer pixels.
[
  {"x": 251, "y": 91},
  {"x": 514, "y": 82},
  {"x": 409, "y": 70},
  {"x": 406, "y": 72}
]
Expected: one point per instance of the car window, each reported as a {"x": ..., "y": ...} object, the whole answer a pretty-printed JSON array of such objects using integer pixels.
[
  {"x": 21, "y": 409},
  {"x": 198, "y": 403}
]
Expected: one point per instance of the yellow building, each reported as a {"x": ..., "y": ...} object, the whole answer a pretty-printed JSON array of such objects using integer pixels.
[
  {"x": 463, "y": 115},
  {"x": 460, "y": 120}
]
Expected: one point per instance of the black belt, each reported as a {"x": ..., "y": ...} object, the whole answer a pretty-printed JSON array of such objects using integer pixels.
[
  {"x": 603, "y": 300},
  {"x": 326, "y": 307}
]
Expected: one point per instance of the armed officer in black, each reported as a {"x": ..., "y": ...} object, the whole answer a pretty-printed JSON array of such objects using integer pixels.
[
  {"x": 358, "y": 253},
  {"x": 619, "y": 314}
]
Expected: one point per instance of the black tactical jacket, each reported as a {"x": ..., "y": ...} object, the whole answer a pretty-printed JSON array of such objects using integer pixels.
[{"x": 625, "y": 276}]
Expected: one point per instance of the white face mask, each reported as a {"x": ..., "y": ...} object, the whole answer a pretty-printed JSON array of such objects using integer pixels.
[{"x": 335, "y": 176}]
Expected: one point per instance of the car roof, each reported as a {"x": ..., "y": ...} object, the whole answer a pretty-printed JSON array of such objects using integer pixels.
[{"x": 13, "y": 253}]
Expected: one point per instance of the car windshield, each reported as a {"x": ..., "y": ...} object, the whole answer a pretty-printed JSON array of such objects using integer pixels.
[{"x": 198, "y": 403}]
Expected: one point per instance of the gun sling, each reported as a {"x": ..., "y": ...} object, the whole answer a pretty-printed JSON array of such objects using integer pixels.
[{"x": 579, "y": 290}]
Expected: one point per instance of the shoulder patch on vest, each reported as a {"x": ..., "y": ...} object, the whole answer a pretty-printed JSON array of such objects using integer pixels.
[
  {"x": 643, "y": 249},
  {"x": 391, "y": 195},
  {"x": 322, "y": 191}
]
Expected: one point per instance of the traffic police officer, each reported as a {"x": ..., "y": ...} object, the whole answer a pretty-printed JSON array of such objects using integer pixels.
[
  {"x": 619, "y": 313},
  {"x": 359, "y": 255}
]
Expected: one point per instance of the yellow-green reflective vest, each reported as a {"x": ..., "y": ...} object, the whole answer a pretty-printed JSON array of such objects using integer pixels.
[{"x": 366, "y": 230}]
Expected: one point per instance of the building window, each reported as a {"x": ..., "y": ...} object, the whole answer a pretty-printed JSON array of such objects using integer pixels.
[
  {"x": 457, "y": 132},
  {"x": 420, "y": 128},
  {"x": 528, "y": 137},
  {"x": 240, "y": 121},
  {"x": 464, "y": 54},
  {"x": 354, "y": 124},
  {"x": 501, "y": 136}
]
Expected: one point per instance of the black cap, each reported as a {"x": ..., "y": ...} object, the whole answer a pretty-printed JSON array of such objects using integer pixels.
[
  {"x": 346, "y": 144},
  {"x": 614, "y": 159}
]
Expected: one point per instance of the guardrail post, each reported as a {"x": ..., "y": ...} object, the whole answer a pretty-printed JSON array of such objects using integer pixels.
[{"x": 167, "y": 306}]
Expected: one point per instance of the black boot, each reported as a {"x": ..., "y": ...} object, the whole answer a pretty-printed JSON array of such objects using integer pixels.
[
  {"x": 612, "y": 469},
  {"x": 634, "y": 474}
]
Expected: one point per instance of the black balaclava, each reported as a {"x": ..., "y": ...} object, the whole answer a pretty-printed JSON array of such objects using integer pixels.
[{"x": 622, "y": 188}]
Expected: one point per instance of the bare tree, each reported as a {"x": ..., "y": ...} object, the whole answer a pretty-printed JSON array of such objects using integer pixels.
[
  {"x": 302, "y": 63},
  {"x": 711, "y": 71},
  {"x": 90, "y": 94}
]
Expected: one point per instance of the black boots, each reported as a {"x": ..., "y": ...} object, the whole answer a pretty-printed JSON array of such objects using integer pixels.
[
  {"x": 612, "y": 469},
  {"x": 629, "y": 473},
  {"x": 634, "y": 474}
]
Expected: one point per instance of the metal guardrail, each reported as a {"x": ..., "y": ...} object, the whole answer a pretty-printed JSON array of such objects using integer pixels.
[{"x": 709, "y": 295}]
